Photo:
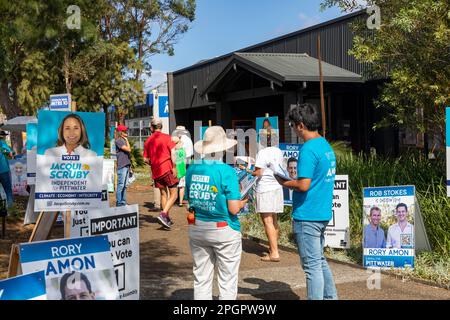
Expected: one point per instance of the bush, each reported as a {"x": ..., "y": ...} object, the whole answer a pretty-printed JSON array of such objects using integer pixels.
[{"x": 137, "y": 159}]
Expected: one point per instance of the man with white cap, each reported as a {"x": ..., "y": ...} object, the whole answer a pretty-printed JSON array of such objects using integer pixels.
[
  {"x": 212, "y": 189},
  {"x": 158, "y": 149}
]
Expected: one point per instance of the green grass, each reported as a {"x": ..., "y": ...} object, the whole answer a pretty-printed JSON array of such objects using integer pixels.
[{"x": 370, "y": 171}]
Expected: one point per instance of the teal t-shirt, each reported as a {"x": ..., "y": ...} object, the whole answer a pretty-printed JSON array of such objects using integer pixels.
[
  {"x": 317, "y": 161},
  {"x": 209, "y": 184},
  {"x": 4, "y": 164}
]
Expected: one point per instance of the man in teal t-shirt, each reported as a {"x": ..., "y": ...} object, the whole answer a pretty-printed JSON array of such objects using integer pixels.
[{"x": 312, "y": 200}]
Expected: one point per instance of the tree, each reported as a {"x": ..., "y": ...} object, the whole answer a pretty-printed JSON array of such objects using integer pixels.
[
  {"x": 154, "y": 26},
  {"x": 100, "y": 62},
  {"x": 411, "y": 49}
]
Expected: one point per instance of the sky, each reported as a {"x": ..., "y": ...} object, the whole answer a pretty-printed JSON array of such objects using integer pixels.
[{"x": 223, "y": 26}]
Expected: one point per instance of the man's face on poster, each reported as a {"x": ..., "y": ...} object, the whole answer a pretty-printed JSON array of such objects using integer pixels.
[
  {"x": 375, "y": 217},
  {"x": 18, "y": 169},
  {"x": 402, "y": 214},
  {"x": 292, "y": 169},
  {"x": 78, "y": 291}
]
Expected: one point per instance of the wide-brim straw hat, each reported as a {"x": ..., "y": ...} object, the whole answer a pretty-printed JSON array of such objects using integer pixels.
[
  {"x": 214, "y": 140},
  {"x": 180, "y": 131}
]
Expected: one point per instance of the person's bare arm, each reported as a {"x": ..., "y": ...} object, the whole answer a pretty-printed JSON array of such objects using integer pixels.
[
  {"x": 173, "y": 154},
  {"x": 301, "y": 184},
  {"x": 258, "y": 172},
  {"x": 126, "y": 147},
  {"x": 234, "y": 206}
]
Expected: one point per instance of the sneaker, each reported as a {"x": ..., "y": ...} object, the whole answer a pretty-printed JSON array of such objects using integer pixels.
[
  {"x": 171, "y": 223},
  {"x": 164, "y": 220}
]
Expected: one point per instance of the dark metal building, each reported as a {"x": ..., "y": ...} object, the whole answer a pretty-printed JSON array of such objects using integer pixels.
[{"x": 233, "y": 89}]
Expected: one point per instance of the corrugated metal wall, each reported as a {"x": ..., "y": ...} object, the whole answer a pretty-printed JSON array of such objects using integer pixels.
[{"x": 336, "y": 40}]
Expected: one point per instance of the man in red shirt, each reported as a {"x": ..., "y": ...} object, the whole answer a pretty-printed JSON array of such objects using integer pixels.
[{"x": 158, "y": 149}]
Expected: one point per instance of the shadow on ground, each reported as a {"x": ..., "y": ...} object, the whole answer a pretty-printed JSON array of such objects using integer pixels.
[
  {"x": 161, "y": 269},
  {"x": 269, "y": 287}
]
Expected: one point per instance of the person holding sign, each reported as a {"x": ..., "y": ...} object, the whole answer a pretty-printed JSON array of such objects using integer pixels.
[
  {"x": 400, "y": 235},
  {"x": 373, "y": 234},
  {"x": 312, "y": 200},
  {"x": 72, "y": 138},
  {"x": 212, "y": 190},
  {"x": 269, "y": 196}
]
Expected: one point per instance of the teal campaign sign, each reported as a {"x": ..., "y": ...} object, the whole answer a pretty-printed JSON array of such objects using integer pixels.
[{"x": 25, "y": 287}]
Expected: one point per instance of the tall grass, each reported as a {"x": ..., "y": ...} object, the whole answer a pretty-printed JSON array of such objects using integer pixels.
[{"x": 412, "y": 168}]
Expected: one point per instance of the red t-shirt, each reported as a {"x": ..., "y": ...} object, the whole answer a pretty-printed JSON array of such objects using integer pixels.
[{"x": 158, "y": 148}]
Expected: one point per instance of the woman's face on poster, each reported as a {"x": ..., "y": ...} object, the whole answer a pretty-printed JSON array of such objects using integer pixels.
[
  {"x": 266, "y": 124},
  {"x": 71, "y": 131}
]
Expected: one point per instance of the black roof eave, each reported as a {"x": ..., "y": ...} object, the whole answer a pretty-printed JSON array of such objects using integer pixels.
[
  {"x": 247, "y": 65},
  {"x": 261, "y": 44}
]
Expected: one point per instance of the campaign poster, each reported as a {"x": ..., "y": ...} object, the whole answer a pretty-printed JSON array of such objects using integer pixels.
[
  {"x": 121, "y": 224},
  {"x": 447, "y": 147},
  {"x": 291, "y": 153},
  {"x": 266, "y": 129},
  {"x": 24, "y": 287},
  {"x": 75, "y": 269},
  {"x": 388, "y": 233},
  {"x": 61, "y": 102},
  {"x": 108, "y": 174},
  {"x": 69, "y": 160},
  {"x": 79, "y": 219},
  {"x": 337, "y": 233},
  {"x": 31, "y": 152},
  {"x": 18, "y": 168}
]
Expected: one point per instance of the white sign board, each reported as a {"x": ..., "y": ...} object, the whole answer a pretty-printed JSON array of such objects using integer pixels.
[
  {"x": 75, "y": 269},
  {"x": 337, "y": 233},
  {"x": 108, "y": 174},
  {"x": 389, "y": 219},
  {"x": 121, "y": 224}
]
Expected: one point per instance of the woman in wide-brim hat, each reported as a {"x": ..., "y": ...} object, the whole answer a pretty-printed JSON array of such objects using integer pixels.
[{"x": 212, "y": 189}]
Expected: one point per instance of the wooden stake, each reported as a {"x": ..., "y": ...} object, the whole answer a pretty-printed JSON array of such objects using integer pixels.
[
  {"x": 14, "y": 266},
  {"x": 322, "y": 100}
]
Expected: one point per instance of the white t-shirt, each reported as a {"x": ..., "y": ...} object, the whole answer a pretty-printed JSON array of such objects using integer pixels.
[
  {"x": 267, "y": 157},
  {"x": 188, "y": 146},
  {"x": 397, "y": 238}
]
